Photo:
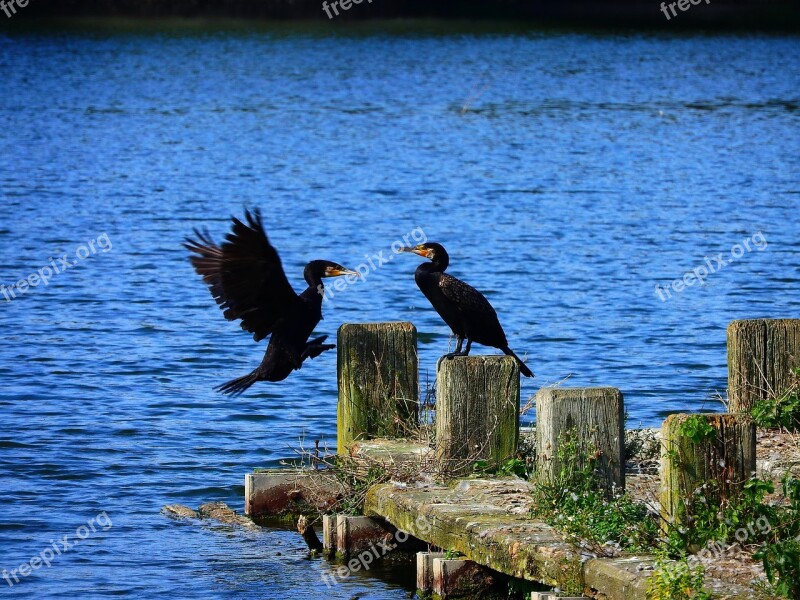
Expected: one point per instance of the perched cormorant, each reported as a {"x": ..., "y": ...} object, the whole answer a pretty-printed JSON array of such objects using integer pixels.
[
  {"x": 463, "y": 308},
  {"x": 246, "y": 279}
]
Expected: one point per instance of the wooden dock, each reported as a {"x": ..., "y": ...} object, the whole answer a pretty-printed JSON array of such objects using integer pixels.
[{"x": 485, "y": 521}]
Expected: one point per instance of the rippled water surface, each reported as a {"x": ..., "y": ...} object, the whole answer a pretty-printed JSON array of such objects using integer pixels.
[{"x": 567, "y": 174}]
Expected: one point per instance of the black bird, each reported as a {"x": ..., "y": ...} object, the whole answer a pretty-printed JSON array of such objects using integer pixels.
[
  {"x": 463, "y": 308},
  {"x": 247, "y": 280}
]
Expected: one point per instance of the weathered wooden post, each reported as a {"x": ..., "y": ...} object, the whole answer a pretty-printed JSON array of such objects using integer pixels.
[
  {"x": 761, "y": 355},
  {"x": 716, "y": 451},
  {"x": 477, "y": 411},
  {"x": 378, "y": 381},
  {"x": 592, "y": 417}
]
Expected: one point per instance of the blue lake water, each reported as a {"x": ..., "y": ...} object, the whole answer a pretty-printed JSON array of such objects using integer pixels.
[{"x": 567, "y": 174}]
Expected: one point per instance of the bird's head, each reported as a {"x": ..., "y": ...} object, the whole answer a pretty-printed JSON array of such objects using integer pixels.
[
  {"x": 431, "y": 251},
  {"x": 317, "y": 269}
]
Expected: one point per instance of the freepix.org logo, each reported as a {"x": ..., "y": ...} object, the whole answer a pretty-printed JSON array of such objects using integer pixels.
[{"x": 56, "y": 548}]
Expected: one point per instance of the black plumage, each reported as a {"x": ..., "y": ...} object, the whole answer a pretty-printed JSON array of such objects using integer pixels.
[
  {"x": 465, "y": 310},
  {"x": 248, "y": 282}
]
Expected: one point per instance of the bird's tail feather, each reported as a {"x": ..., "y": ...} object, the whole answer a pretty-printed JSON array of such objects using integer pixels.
[
  {"x": 235, "y": 387},
  {"x": 523, "y": 368}
]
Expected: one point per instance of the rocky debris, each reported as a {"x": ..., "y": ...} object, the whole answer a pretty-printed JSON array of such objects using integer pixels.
[
  {"x": 777, "y": 452},
  {"x": 215, "y": 511},
  {"x": 179, "y": 511},
  {"x": 306, "y": 531}
]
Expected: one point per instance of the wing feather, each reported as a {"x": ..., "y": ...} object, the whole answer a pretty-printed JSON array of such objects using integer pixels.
[
  {"x": 466, "y": 298},
  {"x": 245, "y": 275}
]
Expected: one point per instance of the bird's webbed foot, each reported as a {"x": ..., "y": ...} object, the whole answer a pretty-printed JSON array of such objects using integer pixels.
[
  {"x": 458, "y": 351},
  {"x": 313, "y": 350}
]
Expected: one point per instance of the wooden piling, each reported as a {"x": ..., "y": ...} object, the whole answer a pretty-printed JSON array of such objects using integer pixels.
[
  {"x": 329, "y": 534},
  {"x": 716, "y": 451},
  {"x": 477, "y": 411},
  {"x": 460, "y": 578},
  {"x": 761, "y": 354},
  {"x": 592, "y": 417},
  {"x": 378, "y": 382},
  {"x": 425, "y": 571},
  {"x": 357, "y": 534}
]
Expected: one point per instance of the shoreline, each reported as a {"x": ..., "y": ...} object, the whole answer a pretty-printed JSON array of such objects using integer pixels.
[{"x": 725, "y": 15}]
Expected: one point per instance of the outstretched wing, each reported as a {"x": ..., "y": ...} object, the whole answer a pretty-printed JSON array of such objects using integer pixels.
[{"x": 245, "y": 275}]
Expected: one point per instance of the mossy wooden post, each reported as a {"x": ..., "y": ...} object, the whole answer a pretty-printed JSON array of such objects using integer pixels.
[
  {"x": 477, "y": 411},
  {"x": 592, "y": 417},
  {"x": 702, "y": 448},
  {"x": 761, "y": 355},
  {"x": 378, "y": 381}
]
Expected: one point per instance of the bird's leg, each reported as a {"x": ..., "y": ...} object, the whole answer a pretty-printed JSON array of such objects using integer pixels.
[
  {"x": 316, "y": 347},
  {"x": 459, "y": 343},
  {"x": 469, "y": 345}
]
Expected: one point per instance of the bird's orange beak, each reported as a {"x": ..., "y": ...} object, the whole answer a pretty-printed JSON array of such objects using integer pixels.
[
  {"x": 334, "y": 272},
  {"x": 424, "y": 252}
]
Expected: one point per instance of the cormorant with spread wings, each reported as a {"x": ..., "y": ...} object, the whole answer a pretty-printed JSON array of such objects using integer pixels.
[{"x": 247, "y": 280}]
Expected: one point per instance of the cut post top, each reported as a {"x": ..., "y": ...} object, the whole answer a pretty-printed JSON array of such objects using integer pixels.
[
  {"x": 577, "y": 393},
  {"x": 740, "y": 322},
  {"x": 373, "y": 327},
  {"x": 476, "y": 360}
]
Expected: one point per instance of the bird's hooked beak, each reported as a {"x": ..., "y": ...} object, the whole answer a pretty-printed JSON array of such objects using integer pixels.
[
  {"x": 338, "y": 272},
  {"x": 420, "y": 250}
]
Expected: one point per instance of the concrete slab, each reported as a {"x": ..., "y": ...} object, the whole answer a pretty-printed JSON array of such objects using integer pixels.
[
  {"x": 357, "y": 534},
  {"x": 487, "y": 521},
  {"x": 289, "y": 493}
]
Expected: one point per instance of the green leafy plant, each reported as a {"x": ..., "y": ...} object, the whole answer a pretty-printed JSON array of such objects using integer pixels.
[
  {"x": 697, "y": 429},
  {"x": 782, "y": 566},
  {"x": 677, "y": 581},
  {"x": 781, "y": 556},
  {"x": 721, "y": 522},
  {"x": 513, "y": 466},
  {"x": 575, "y": 502},
  {"x": 782, "y": 410},
  {"x": 521, "y": 465}
]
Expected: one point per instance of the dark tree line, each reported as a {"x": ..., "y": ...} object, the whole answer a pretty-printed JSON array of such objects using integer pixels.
[{"x": 745, "y": 12}]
